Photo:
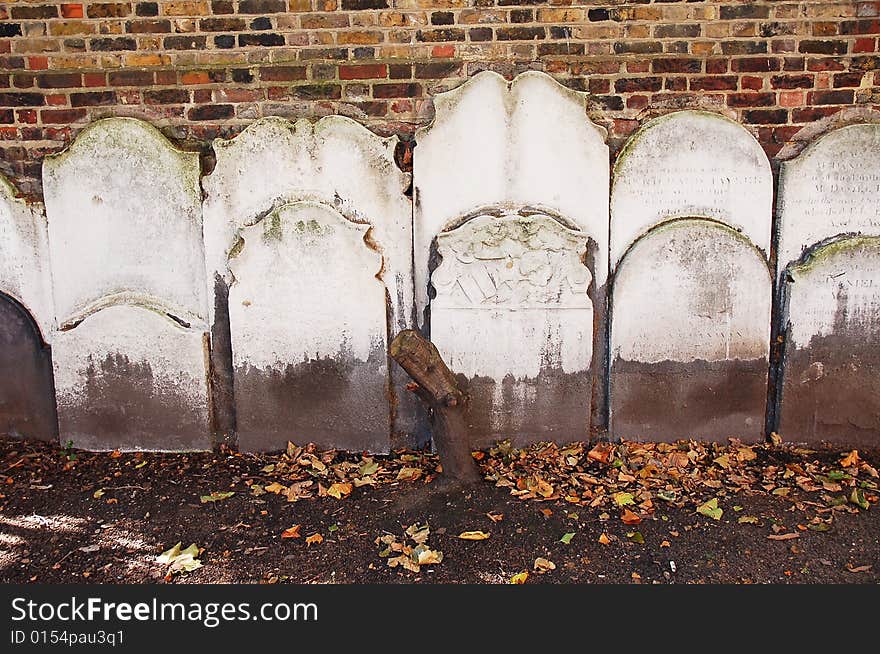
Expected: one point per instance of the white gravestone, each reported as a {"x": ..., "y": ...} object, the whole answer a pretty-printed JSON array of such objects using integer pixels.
[
  {"x": 27, "y": 407},
  {"x": 125, "y": 242},
  {"x": 690, "y": 164},
  {"x": 335, "y": 161},
  {"x": 690, "y": 335},
  {"x": 308, "y": 318},
  {"x": 513, "y": 315},
  {"x": 832, "y": 188},
  {"x": 829, "y": 267},
  {"x": 525, "y": 143}
]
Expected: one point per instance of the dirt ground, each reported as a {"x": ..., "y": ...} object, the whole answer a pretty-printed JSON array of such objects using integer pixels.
[{"x": 628, "y": 513}]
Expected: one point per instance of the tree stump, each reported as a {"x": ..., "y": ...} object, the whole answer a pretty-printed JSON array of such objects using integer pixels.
[{"x": 435, "y": 385}]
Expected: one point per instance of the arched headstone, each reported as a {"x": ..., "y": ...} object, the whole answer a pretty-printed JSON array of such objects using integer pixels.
[
  {"x": 513, "y": 314},
  {"x": 829, "y": 268},
  {"x": 691, "y": 294},
  {"x": 125, "y": 234},
  {"x": 350, "y": 170},
  {"x": 27, "y": 404},
  {"x": 522, "y": 162},
  {"x": 308, "y": 319}
]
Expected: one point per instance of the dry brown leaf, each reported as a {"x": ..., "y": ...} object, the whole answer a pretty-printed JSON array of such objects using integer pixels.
[
  {"x": 291, "y": 532},
  {"x": 850, "y": 460},
  {"x": 495, "y": 517},
  {"x": 630, "y": 518},
  {"x": 783, "y": 536},
  {"x": 543, "y": 565},
  {"x": 604, "y": 539}
]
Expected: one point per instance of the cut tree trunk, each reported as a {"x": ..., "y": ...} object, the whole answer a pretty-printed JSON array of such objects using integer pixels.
[{"x": 435, "y": 385}]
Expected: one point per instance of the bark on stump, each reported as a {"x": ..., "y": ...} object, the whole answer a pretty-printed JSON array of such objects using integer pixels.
[{"x": 435, "y": 385}]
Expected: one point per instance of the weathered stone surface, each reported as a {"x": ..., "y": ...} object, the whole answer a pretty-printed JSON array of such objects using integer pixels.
[
  {"x": 130, "y": 377},
  {"x": 335, "y": 161},
  {"x": 690, "y": 335},
  {"x": 124, "y": 212},
  {"x": 685, "y": 164},
  {"x": 24, "y": 258},
  {"x": 27, "y": 396},
  {"x": 307, "y": 312},
  {"x": 832, "y": 357},
  {"x": 125, "y": 242},
  {"x": 513, "y": 315},
  {"x": 494, "y": 143},
  {"x": 831, "y": 188}
]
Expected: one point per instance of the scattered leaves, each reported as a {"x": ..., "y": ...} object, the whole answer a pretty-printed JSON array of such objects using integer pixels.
[
  {"x": 216, "y": 497},
  {"x": 180, "y": 560}
]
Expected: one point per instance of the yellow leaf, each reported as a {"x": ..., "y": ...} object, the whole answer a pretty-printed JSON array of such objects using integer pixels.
[
  {"x": 544, "y": 489},
  {"x": 428, "y": 556},
  {"x": 409, "y": 474},
  {"x": 473, "y": 535},
  {"x": 98, "y": 494},
  {"x": 851, "y": 459},
  {"x": 292, "y": 532},
  {"x": 519, "y": 578},
  {"x": 339, "y": 490},
  {"x": 543, "y": 565},
  {"x": 275, "y": 487},
  {"x": 314, "y": 538},
  {"x": 604, "y": 539}
]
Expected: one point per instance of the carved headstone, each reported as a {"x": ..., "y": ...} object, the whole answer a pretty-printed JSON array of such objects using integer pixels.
[
  {"x": 690, "y": 335},
  {"x": 514, "y": 316},
  {"x": 522, "y": 143},
  {"x": 829, "y": 267},
  {"x": 125, "y": 234},
  {"x": 691, "y": 207},
  {"x": 343, "y": 165},
  {"x": 320, "y": 374}
]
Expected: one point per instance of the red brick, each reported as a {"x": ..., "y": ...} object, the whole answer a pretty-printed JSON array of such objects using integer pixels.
[
  {"x": 364, "y": 71},
  {"x": 72, "y": 10}
]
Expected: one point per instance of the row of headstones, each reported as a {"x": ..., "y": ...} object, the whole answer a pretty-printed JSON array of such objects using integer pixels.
[{"x": 265, "y": 308}]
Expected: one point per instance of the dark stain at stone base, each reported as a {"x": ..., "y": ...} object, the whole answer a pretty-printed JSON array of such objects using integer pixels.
[
  {"x": 122, "y": 406},
  {"x": 703, "y": 400},
  {"x": 27, "y": 395},
  {"x": 333, "y": 402},
  {"x": 831, "y": 392},
  {"x": 554, "y": 406}
]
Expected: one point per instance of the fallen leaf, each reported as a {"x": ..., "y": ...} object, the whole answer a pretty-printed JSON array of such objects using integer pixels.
[
  {"x": 543, "y": 565},
  {"x": 547, "y": 512},
  {"x": 115, "y": 454},
  {"x": 519, "y": 578},
  {"x": 473, "y": 535},
  {"x": 495, "y": 517},
  {"x": 665, "y": 543},
  {"x": 630, "y": 518},
  {"x": 711, "y": 509},
  {"x": 216, "y": 497},
  {"x": 409, "y": 474},
  {"x": 850, "y": 460},
  {"x": 636, "y": 537},
  {"x": 292, "y": 532},
  {"x": 275, "y": 487},
  {"x": 604, "y": 539},
  {"x": 419, "y": 533},
  {"x": 857, "y": 497},
  {"x": 601, "y": 453},
  {"x": 566, "y": 537},
  {"x": 180, "y": 560},
  {"x": 339, "y": 490},
  {"x": 623, "y": 499},
  {"x": 748, "y": 520},
  {"x": 314, "y": 538},
  {"x": 783, "y": 536},
  {"x": 368, "y": 467},
  {"x": 98, "y": 494},
  {"x": 426, "y": 556}
]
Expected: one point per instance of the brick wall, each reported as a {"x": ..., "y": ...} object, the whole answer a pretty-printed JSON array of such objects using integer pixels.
[{"x": 199, "y": 69}]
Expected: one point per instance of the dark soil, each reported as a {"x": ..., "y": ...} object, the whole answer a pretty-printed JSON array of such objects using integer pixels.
[{"x": 49, "y": 513}]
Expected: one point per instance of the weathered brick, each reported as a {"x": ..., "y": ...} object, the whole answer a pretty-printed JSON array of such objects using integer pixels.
[
  {"x": 749, "y": 10},
  {"x": 316, "y": 92},
  {"x": 227, "y": 24},
  {"x": 282, "y": 73},
  {"x": 637, "y": 47},
  {"x": 830, "y": 97},
  {"x": 33, "y": 12},
  {"x": 638, "y": 84},
  {"x": 714, "y": 83},
  {"x": 264, "y": 38},
  {"x": 670, "y": 65},
  {"x": 59, "y": 81},
  {"x": 10, "y": 29},
  {"x": 188, "y": 42},
  {"x": 366, "y": 71},
  {"x": 148, "y": 27},
  {"x": 113, "y": 43},
  {"x": 396, "y": 90},
  {"x": 166, "y": 96},
  {"x": 823, "y": 47},
  {"x": 108, "y": 9},
  {"x": 520, "y": 33},
  {"x": 92, "y": 99},
  {"x": 262, "y": 7},
  {"x": 147, "y": 9},
  {"x": 755, "y": 65},
  {"x": 438, "y": 69},
  {"x": 677, "y": 31},
  {"x": 211, "y": 112},
  {"x": 440, "y": 35},
  {"x": 751, "y": 99},
  {"x": 22, "y": 99},
  {"x": 791, "y": 81},
  {"x": 72, "y": 10},
  {"x": 61, "y": 116},
  {"x": 765, "y": 116}
]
